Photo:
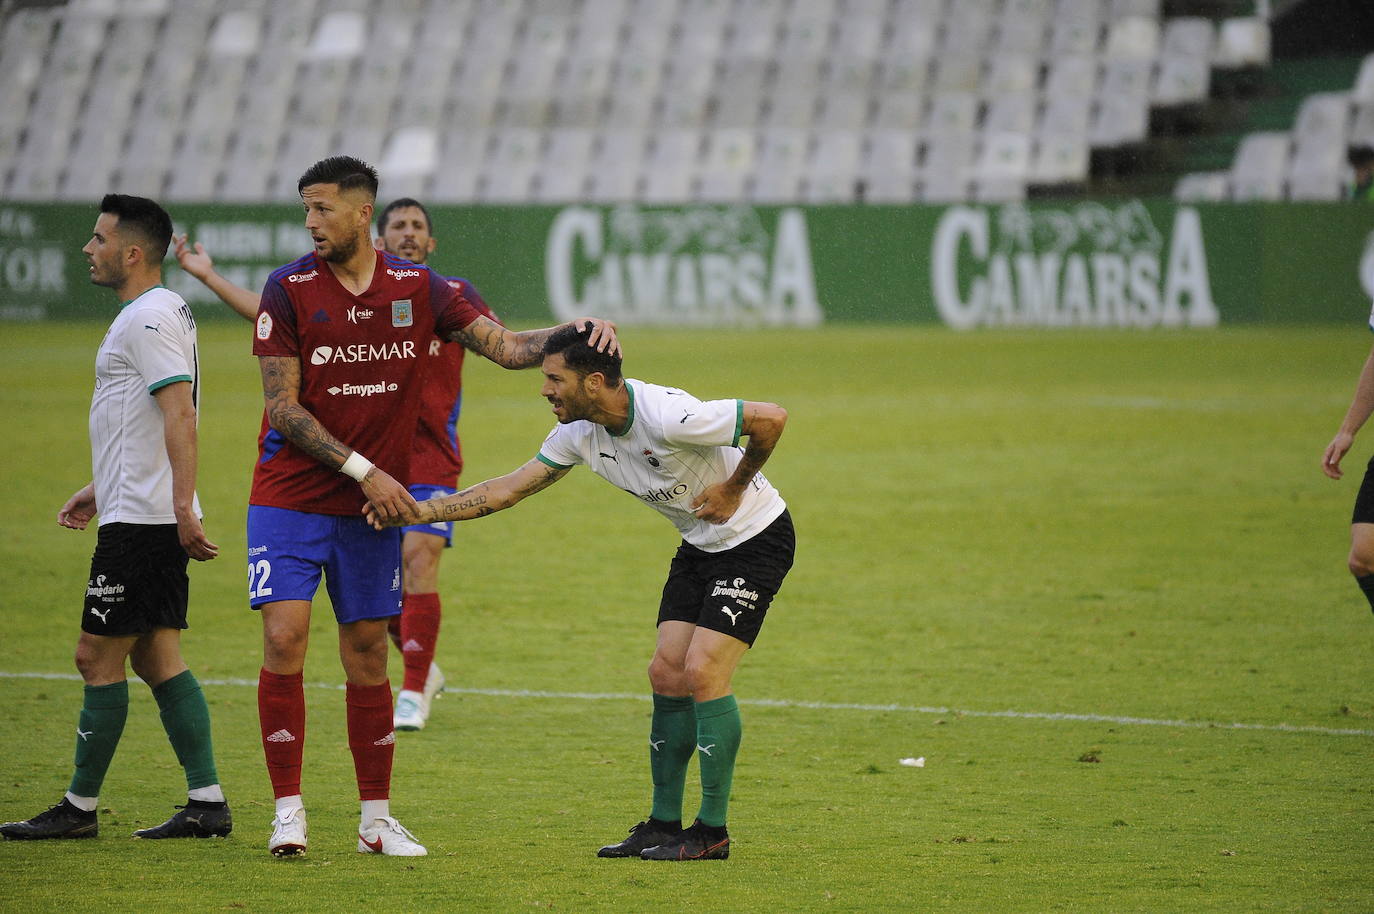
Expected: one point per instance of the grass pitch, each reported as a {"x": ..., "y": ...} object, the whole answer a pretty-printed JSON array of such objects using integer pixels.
[{"x": 1122, "y": 541}]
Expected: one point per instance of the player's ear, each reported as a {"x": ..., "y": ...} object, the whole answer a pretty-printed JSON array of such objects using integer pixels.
[
  {"x": 433, "y": 243},
  {"x": 378, "y": 244}
]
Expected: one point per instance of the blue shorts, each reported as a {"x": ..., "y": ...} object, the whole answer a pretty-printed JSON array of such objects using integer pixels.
[
  {"x": 442, "y": 528},
  {"x": 288, "y": 550}
]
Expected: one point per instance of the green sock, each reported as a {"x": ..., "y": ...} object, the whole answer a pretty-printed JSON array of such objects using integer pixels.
[
  {"x": 103, "y": 712},
  {"x": 718, "y": 736},
  {"x": 186, "y": 718},
  {"x": 672, "y": 736}
]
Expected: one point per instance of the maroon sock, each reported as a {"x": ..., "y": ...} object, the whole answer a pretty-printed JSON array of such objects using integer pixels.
[
  {"x": 419, "y": 634},
  {"x": 371, "y": 739},
  {"x": 281, "y": 712}
]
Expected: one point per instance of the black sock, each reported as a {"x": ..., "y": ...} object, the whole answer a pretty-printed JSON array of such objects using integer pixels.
[{"x": 1367, "y": 585}]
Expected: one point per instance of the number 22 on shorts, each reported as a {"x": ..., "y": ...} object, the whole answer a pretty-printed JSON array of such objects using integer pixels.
[{"x": 258, "y": 573}]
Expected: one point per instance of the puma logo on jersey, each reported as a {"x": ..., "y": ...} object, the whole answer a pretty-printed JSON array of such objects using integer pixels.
[
  {"x": 733, "y": 615},
  {"x": 99, "y": 614},
  {"x": 685, "y": 418},
  {"x": 706, "y": 749},
  {"x": 609, "y": 457}
]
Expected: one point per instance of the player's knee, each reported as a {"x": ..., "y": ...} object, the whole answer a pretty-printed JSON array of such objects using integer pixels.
[
  {"x": 85, "y": 660},
  {"x": 284, "y": 647},
  {"x": 704, "y": 677},
  {"x": 1361, "y": 564},
  {"x": 665, "y": 677}
]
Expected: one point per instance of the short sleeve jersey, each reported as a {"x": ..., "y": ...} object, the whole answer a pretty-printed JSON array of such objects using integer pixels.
[
  {"x": 674, "y": 447},
  {"x": 362, "y": 359},
  {"x": 437, "y": 457},
  {"x": 150, "y": 344}
]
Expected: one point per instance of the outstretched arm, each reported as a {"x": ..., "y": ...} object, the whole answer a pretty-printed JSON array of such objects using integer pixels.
[
  {"x": 525, "y": 349},
  {"x": 1360, "y": 409},
  {"x": 479, "y": 500},
  {"x": 198, "y": 263},
  {"x": 281, "y": 385},
  {"x": 763, "y": 424}
]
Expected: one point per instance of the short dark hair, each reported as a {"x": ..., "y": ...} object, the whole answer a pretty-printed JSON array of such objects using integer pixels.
[
  {"x": 347, "y": 172},
  {"x": 403, "y": 203},
  {"x": 144, "y": 219},
  {"x": 571, "y": 342},
  {"x": 1359, "y": 156}
]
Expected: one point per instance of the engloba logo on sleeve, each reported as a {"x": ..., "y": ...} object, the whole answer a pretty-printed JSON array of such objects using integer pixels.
[{"x": 363, "y": 352}]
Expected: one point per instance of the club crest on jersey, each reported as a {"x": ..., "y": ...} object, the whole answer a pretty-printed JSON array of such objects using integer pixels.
[{"x": 401, "y": 313}]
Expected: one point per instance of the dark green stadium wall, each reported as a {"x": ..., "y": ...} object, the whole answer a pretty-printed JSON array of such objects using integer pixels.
[{"x": 1131, "y": 263}]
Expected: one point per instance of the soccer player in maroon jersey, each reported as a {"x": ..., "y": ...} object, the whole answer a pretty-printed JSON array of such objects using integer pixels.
[
  {"x": 436, "y": 460},
  {"x": 404, "y": 229},
  {"x": 342, "y": 335}
]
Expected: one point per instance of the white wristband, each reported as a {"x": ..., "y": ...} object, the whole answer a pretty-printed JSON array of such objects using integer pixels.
[{"x": 356, "y": 466}]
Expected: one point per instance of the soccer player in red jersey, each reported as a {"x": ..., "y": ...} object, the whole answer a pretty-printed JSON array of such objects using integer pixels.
[
  {"x": 342, "y": 335},
  {"x": 405, "y": 230}
]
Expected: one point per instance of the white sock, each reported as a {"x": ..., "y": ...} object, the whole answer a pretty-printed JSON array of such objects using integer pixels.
[
  {"x": 85, "y": 804},
  {"x": 291, "y": 802},
  {"x": 375, "y": 809},
  {"x": 211, "y": 794}
]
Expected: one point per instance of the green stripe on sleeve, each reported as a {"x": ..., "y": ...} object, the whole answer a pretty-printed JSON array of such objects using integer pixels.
[
  {"x": 154, "y": 388},
  {"x": 739, "y": 421},
  {"x": 557, "y": 466}
]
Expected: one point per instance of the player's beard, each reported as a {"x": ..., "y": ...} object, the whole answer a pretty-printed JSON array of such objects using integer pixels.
[
  {"x": 108, "y": 275},
  {"x": 343, "y": 251}
]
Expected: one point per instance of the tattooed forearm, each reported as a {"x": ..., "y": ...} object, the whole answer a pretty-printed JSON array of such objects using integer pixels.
[
  {"x": 504, "y": 347},
  {"x": 494, "y": 494},
  {"x": 281, "y": 384},
  {"x": 303, "y": 430}
]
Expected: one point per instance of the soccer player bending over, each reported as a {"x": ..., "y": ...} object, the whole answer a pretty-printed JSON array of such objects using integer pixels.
[{"x": 681, "y": 456}]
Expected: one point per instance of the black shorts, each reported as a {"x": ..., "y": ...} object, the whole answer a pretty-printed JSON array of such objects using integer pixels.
[
  {"x": 138, "y": 581},
  {"x": 1364, "y": 501},
  {"x": 729, "y": 591}
]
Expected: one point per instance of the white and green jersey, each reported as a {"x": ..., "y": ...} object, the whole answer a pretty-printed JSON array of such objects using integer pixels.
[
  {"x": 673, "y": 447},
  {"x": 150, "y": 344}
]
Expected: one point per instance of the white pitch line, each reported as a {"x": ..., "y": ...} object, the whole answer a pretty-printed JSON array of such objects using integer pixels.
[{"x": 826, "y": 706}]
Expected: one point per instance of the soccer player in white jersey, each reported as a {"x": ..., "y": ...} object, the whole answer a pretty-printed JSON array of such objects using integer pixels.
[
  {"x": 143, "y": 446},
  {"x": 681, "y": 456}
]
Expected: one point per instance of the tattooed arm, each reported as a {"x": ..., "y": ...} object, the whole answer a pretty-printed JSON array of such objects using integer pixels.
[
  {"x": 281, "y": 387},
  {"x": 479, "y": 500},
  {"x": 525, "y": 349}
]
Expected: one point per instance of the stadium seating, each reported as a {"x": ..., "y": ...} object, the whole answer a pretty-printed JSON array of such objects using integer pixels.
[
  {"x": 1305, "y": 163},
  {"x": 608, "y": 100}
]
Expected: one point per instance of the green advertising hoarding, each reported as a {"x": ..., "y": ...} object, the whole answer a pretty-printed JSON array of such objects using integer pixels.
[{"x": 1127, "y": 263}]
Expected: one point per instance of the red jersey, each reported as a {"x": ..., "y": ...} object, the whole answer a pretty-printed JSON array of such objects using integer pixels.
[
  {"x": 362, "y": 358},
  {"x": 437, "y": 458}
]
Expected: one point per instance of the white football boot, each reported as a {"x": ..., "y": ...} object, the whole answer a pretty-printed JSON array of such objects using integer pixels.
[
  {"x": 288, "y": 833},
  {"x": 387, "y": 836},
  {"x": 412, "y": 708},
  {"x": 411, "y": 711}
]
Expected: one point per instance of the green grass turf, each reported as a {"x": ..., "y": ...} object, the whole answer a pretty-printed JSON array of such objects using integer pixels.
[{"x": 1119, "y": 525}]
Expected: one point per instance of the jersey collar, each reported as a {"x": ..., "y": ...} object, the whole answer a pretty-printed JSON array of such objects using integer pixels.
[{"x": 125, "y": 304}]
